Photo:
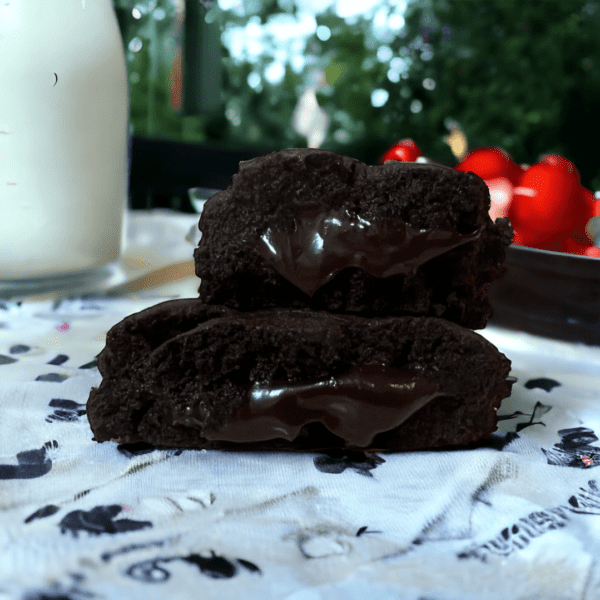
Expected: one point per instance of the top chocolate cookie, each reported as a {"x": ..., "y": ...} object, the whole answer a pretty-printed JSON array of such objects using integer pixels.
[{"x": 305, "y": 228}]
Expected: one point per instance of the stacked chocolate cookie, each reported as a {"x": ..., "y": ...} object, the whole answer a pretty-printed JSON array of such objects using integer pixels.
[{"x": 337, "y": 307}]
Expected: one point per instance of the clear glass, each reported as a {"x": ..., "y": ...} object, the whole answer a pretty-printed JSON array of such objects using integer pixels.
[
  {"x": 63, "y": 145},
  {"x": 198, "y": 197}
]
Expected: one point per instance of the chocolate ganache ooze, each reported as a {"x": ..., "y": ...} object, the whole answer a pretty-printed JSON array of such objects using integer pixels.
[
  {"x": 325, "y": 241},
  {"x": 356, "y": 406}
]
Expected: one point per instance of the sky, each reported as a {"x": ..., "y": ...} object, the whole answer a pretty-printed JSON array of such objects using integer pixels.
[
  {"x": 287, "y": 34},
  {"x": 344, "y": 8}
]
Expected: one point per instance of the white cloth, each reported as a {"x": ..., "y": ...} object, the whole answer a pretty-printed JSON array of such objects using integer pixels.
[{"x": 517, "y": 518}]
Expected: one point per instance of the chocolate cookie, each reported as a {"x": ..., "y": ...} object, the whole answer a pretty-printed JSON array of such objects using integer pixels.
[
  {"x": 186, "y": 374},
  {"x": 305, "y": 228}
]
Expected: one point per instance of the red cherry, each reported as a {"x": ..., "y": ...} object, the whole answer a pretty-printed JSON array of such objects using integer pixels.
[
  {"x": 405, "y": 151},
  {"x": 573, "y": 246},
  {"x": 547, "y": 199},
  {"x": 536, "y": 239},
  {"x": 592, "y": 251},
  {"x": 490, "y": 163},
  {"x": 591, "y": 201},
  {"x": 560, "y": 162},
  {"x": 501, "y": 193},
  {"x": 590, "y": 207}
]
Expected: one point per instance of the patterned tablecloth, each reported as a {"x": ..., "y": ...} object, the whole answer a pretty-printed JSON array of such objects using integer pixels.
[{"x": 517, "y": 518}]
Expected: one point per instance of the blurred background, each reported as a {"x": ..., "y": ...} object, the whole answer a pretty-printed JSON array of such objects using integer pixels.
[{"x": 215, "y": 82}]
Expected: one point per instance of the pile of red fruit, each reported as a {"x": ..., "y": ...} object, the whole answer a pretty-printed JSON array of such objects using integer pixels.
[{"x": 545, "y": 202}]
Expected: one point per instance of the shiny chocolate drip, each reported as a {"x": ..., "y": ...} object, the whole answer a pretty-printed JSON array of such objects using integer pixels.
[
  {"x": 326, "y": 241},
  {"x": 368, "y": 400}
]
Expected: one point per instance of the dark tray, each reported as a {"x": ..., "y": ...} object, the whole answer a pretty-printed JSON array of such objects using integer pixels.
[{"x": 551, "y": 294}]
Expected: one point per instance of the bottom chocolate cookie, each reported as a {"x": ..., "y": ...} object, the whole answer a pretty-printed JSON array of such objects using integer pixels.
[{"x": 190, "y": 375}]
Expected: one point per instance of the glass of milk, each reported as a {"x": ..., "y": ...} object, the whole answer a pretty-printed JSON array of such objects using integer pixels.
[{"x": 63, "y": 145}]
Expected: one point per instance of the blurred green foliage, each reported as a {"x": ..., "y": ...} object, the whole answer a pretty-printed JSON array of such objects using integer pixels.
[
  {"x": 520, "y": 74},
  {"x": 150, "y": 50}
]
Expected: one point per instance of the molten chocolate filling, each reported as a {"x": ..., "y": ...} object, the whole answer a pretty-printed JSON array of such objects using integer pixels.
[
  {"x": 326, "y": 241},
  {"x": 368, "y": 400}
]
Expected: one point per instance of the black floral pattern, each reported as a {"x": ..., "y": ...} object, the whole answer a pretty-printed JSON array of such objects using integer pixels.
[
  {"x": 65, "y": 410},
  {"x": 575, "y": 449},
  {"x": 58, "y": 360},
  {"x": 543, "y": 383},
  {"x": 91, "y": 514},
  {"x": 53, "y": 377},
  {"x": 212, "y": 566},
  {"x": 99, "y": 520},
  {"x": 42, "y": 513},
  {"x": 31, "y": 464},
  {"x": 337, "y": 462}
]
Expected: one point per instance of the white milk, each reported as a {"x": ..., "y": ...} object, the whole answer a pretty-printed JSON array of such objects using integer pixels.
[{"x": 63, "y": 137}]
